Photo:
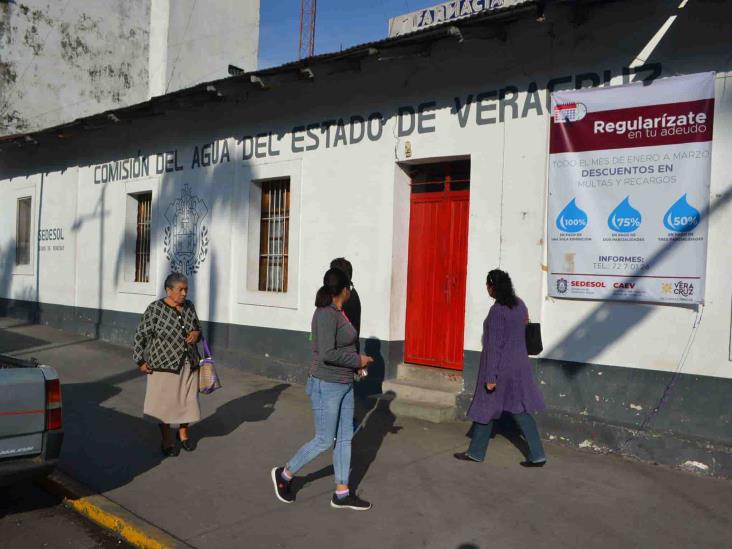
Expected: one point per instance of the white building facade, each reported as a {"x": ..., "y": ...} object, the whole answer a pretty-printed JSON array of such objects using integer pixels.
[{"x": 252, "y": 184}]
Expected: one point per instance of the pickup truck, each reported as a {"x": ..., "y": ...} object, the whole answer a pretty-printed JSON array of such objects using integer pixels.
[{"x": 31, "y": 422}]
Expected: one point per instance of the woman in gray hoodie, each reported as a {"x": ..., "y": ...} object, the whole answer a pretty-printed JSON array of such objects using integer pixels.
[{"x": 330, "y": 388}]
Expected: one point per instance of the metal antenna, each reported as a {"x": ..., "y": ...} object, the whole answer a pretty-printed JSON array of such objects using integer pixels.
[{"x": 308, "y": 10}]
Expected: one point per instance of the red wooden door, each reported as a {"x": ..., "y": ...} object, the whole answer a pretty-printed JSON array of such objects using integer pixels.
[{"x": 438, "y": 246}]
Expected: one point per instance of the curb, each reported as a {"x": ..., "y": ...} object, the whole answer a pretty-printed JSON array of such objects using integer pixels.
[{"x": 108, "y": 514}]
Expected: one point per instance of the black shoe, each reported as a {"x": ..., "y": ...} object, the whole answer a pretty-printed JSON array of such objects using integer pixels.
[
  {"x": 282, "y": 486},
  {"x": 464, "y": 456},
  {"x": 188, "y": 445},
  {"x": 351, "y": 501},
  {"x": 170, "y": 451},
  {"x": 533, "y": 463}
]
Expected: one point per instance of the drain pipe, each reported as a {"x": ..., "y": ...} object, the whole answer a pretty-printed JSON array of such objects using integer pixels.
[{"x": 37, "y": 306}]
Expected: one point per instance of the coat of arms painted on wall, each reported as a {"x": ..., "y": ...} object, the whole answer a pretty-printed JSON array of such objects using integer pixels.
[{"x": 186, "y": 236}]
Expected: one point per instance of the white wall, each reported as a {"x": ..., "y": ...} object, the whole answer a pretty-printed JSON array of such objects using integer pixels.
[
  {"x": 205, "y": 37},
  {"x": 354, "y": 202}
]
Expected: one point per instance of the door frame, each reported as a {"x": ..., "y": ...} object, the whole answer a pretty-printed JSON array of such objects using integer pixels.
[{"x": 447, "y": 194}]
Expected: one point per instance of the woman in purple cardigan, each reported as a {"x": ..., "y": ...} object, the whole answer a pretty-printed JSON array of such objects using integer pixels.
[{"x": 505, "y": 380}]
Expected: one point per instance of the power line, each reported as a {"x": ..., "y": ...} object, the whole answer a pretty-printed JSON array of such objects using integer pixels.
[{"x": 185, "y": 32}]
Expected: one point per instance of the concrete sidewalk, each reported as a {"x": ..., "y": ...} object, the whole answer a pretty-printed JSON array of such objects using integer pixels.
[{"x": 221, "y": 496}]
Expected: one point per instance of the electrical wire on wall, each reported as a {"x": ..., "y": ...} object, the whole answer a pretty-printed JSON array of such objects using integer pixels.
[
  {"x": 669, "y": 386},
  {"x": 185, "y": 33}
]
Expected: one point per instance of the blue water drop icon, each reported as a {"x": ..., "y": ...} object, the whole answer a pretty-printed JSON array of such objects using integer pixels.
[
  {"x": 682, "y": 217},
  {"x": 572, "y": 219},
  {"x": 625, "y": 218}
]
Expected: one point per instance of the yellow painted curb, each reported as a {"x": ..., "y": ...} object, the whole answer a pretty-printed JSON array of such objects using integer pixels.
[
  {"x": 126, "y": 531},
  {"x": 107, "y": 514}
]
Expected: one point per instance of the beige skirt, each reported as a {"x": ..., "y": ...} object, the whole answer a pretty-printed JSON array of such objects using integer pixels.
[{"x": 173, "y": 398}]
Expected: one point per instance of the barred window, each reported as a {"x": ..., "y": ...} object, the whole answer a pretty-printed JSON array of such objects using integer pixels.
[
  {"x": 23, "y": 232},
  {"x": 142, "y": 244},
  {"x": 274, "y": 235}
]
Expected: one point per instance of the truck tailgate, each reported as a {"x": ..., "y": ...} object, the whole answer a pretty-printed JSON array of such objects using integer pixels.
[{"x": 22, "y": 411}]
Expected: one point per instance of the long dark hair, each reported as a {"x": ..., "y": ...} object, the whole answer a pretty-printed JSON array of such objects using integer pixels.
[
  {"x": 344, "y": 265},
  {"x": 502, "y": 288},
  {"x": 334, "y": 281}
]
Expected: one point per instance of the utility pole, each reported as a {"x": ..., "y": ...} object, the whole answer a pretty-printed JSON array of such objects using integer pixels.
[{"x": 308, "y": 10}]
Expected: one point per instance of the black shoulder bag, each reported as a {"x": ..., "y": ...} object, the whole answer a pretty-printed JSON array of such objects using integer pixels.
[{"x": 533, "y": 338}]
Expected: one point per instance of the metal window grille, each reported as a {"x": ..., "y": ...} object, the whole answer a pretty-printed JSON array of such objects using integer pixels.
[
  {"x": 274, "y": 236},
  {"x": 142, "y": 244},
  {"x": 23, "y": 232}
]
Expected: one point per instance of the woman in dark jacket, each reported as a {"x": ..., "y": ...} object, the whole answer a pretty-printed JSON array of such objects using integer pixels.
[
  {"x": 165, "y": 350},
  {"x": 330, "y": 388},
  {"x": 505, "y": 380}
]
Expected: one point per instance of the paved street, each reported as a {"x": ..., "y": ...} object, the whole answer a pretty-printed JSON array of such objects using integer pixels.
[
  {"x": 32, "y": 519},
  {"x": 220, "y": 496}
]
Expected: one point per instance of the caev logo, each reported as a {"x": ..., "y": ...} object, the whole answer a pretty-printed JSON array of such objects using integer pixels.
[
  {"x": 562, "y": 285},
  {"x": 571, "y": 219},
  {"x": 569, "y": 112}
]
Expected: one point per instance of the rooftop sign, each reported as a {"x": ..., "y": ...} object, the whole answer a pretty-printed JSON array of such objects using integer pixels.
[{"x": 442, "y": 13}]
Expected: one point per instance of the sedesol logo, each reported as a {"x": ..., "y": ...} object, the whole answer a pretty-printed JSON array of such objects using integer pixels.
[{"x": 587, "y": 284}]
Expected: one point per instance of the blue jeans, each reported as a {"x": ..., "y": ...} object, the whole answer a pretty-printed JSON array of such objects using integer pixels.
[
  {"x": 482, "y": 436},
  {"x": 333, "y": 412}
]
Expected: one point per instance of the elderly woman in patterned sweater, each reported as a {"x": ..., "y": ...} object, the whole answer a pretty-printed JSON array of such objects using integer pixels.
[{"x": 166, "y": 350}]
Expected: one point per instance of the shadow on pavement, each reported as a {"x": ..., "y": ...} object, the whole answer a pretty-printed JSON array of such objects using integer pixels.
[
  {"x": 24, "y": 497},
  {"x": 506, "y": 427},
  {"x": 256, "y": 406},
  {"x": 377, "y": 423},
  {"x": 11, "y": 341},
  {"x": 31, "y": 518},
  {"x": 107, "y": 449}
]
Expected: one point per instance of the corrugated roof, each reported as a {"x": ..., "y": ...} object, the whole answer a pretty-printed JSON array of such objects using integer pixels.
[{"x": 207, "y": 91}]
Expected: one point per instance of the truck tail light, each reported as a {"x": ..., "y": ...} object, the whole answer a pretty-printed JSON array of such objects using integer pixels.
[{"x": 54, "y": 419}]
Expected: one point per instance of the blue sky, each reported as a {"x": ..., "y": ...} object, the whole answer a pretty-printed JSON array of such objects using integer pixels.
[{"x": 339, "y": 24}]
